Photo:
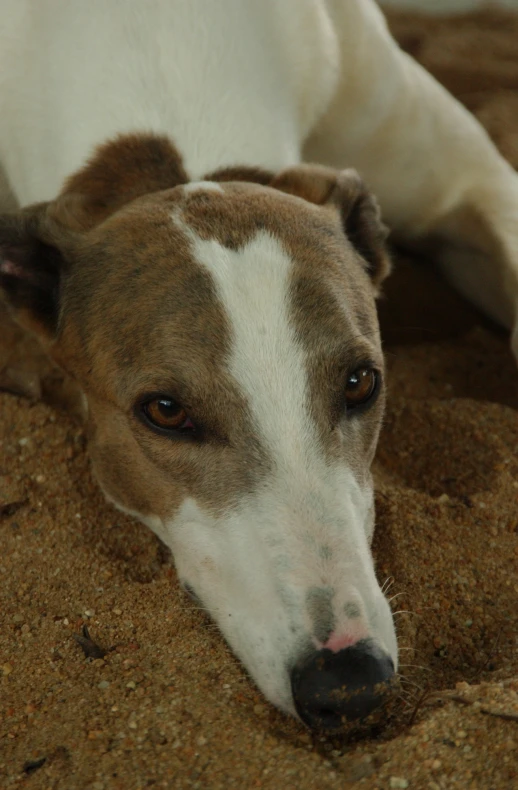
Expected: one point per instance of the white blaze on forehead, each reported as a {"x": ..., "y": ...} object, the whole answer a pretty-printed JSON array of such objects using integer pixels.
[
  {"x": 200, "y": 186},
  {"x": 267, "y": 361}
]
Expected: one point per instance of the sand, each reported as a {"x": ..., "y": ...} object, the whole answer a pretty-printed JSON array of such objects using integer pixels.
[{"x": 168, "y": 705}]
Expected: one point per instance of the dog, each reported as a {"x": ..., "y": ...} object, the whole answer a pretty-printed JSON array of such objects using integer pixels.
[{"x": 212, "y": 292}]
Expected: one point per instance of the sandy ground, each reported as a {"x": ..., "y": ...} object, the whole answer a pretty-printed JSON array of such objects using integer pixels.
[{"x": 167, "y": 705}]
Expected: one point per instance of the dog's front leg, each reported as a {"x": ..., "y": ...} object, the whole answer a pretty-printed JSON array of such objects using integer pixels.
[{"x": 441, "y": 182}]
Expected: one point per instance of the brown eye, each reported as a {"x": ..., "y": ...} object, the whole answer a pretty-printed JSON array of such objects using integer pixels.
[
  {"x": 361, "y": 385},
  {"x": 167, "y": 414}
]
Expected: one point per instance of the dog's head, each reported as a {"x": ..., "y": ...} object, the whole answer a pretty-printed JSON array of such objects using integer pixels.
[{"x": 224, "y": 334}]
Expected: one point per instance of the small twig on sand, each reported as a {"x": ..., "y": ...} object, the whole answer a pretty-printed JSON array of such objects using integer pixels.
[
  {"x": 90, "y": 648},
  {"x": 500, "y": 715},
  {"x": 453, "y": 698},
  {"x": 438, "y": 696}
]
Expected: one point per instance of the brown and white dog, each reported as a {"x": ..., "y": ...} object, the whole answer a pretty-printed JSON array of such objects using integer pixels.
[{"x": 214, "y": 298}]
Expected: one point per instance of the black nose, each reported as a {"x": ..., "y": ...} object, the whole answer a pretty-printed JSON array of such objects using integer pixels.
[{"x": 330, "y": 688}]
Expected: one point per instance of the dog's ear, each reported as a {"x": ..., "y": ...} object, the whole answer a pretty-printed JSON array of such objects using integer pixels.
[
  {"x": 33, "y": 263},
  {"x": 37, "y": 243},
  {"x": 358, "y": 209},
  {"x": 121, "y": 170}
]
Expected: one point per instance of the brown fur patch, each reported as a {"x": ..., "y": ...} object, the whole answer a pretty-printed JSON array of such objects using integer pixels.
[
  {"x": 359, "y": 211},
  {"x": 119, "y": 171},
  {"x": 314, "y": 183},
  {"x": 253, "y": 175},
  {"x": 164, "y": 333}
]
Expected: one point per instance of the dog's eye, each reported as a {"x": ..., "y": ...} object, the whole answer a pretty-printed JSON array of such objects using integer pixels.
[
  {"x": 361, "y": 386},
  {"x": 166, "y": 414}
]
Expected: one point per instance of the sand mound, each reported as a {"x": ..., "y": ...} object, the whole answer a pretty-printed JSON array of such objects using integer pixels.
[{"x": 167, "y": 705}]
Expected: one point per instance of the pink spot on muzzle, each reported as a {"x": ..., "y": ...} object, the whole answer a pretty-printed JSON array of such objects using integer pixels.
[{"x": 340, "y": 640}]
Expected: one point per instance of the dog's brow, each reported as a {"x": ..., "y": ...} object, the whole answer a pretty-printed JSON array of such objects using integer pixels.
[{"x": 356, "y": 351}]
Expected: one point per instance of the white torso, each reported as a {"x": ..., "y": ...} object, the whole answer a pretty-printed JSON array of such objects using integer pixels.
[{"x": 232, "y": 82}]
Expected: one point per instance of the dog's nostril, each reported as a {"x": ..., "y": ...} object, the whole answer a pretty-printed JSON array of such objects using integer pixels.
[{"x": 331, "y": 688}]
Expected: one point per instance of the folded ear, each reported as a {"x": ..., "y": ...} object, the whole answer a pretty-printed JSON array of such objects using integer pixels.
[
  {"x": 35, "y": 242},
  {"x": 119, "y": 171},
  {"x": 358, "y": 209},
  {"x": 32, "y": 265}
]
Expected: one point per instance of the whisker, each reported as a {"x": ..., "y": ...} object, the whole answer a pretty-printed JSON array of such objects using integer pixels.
[
  {"x": 194, "y": 608},
  {"x": 412, "y": 647},
  {"x": 406, "y": 698},
  {"x": 387, "y": 584},
  {"x": 404, "y": 611},
  {"x": 418, "y": 666},
  {"x": 411, "y": 699},
  {"x": 393, "y": 597},
  {"x": 407, "y": 682}
]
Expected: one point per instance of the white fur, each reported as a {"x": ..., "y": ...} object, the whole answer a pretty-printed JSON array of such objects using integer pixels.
[{"x": 252, "y": 285}]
